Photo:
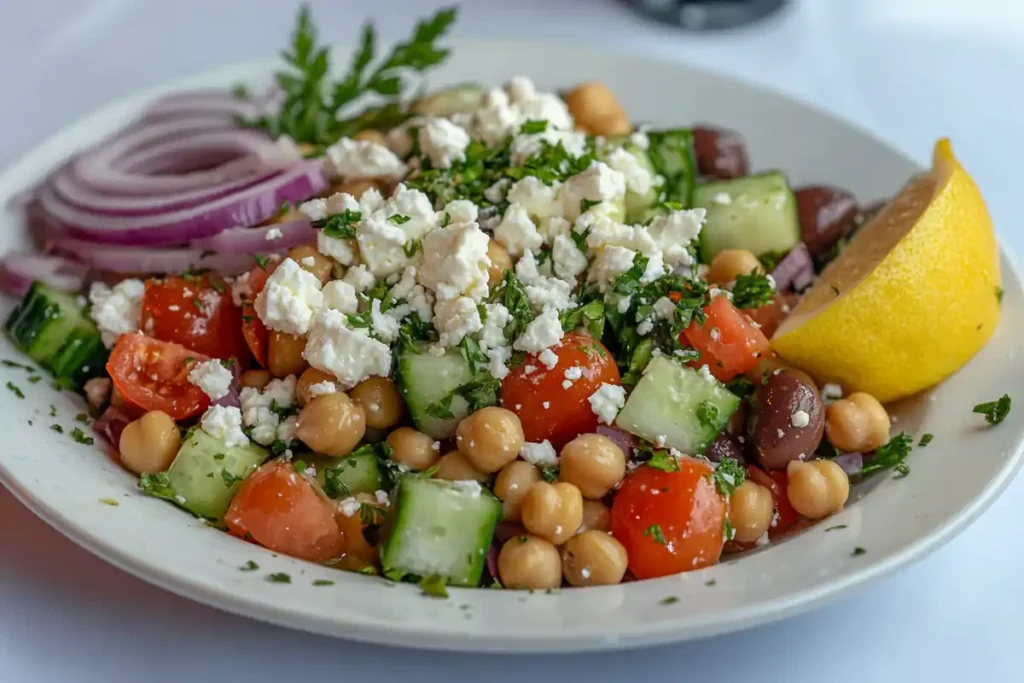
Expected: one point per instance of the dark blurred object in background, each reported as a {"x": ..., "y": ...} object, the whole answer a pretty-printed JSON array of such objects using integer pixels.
[{"x": 707, "y": 15}]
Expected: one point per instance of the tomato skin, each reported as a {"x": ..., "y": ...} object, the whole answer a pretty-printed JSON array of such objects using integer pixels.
[
  {"x": 196, "y": 312},
  {"x": 256, "y": 334},
  {"x": 153, "y": 375},
  {"x": 777, "y": 482},
  {"x": 771, "y": 315},
  {"x": 687, "y": 508},
  {"x": 734, "y": 349},
  {"x": 568, "y": 413},
  {"x": 280, "y": 510}
]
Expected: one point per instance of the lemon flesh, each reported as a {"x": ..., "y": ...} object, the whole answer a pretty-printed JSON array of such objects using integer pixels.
[{"x": 912, "y": 297}]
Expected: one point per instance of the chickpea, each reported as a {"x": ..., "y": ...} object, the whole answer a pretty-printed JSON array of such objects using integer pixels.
[
  {"x": 331, "y": 424},
  {"x": 596, "y": 515},
  {"x": 321, "y": 265},
  {"x": 491, "y": 438},
  {"x": 751, "y": 509},
  {"x": 528, "y": 562},
  {"x": 552, "y": 511},
  {"x": 257, "y": 379},
  {"x": 414, "y": 449},
  {"x": 380, "y": 399},
  {"x": 455, "y": 466},
  {"x": 356, "y": 188},
  {"x": 730, "y": 263},
  {"x": 500, "y": 262},
  {"x": 593, "y": 463},
  {"x": 284, "y": 354},
  {"x": 307, "y": 379},
  {"x": 150, "y": 443},
  {"x": 370, "y": 135},
  {"x": 514, "y": 480},
  {"x": 596, "y": 109},
  {"x": 817, "y": 488},
  {"x": 857, "y": 423},
  {"x": 593, "y": 558}
]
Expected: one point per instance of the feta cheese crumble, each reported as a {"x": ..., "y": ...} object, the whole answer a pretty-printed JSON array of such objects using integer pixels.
[
  {"x": 212, "y": 377},
  {"x": 548, "y": 359},
  {"x": 339, "y": 295},
  {"x": 224, "y": 423},
  {"x": 290, "y": 298},
  {"x": 351, "y": 355},
  {"x": 348, "y": 158},
  {"x": 322, "y": 389},
  {"x": 542, "y": 453},
  {"x": 800, "y": 418},
  {"x": 455, "y": 262},
  {"x": 443, "y": 142},
  {"x": 543, "y": 332},
  {"x": 273, "y": 234},
  {"x": 258, "y": 408},
  {"x": 116, "y": 310},
  {"x": 607, "y": 401}
]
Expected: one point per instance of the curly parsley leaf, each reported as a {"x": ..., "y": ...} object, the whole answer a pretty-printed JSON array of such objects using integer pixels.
[
  {"x": 341, "y": 225},
  {"x": 664, "y": 461},
  {"x": 654, "y": 532},
  {"x": 157, "y": 485},
  {"x": 752, "y": 291},
  {"x": 728, "y": 475},
  {"x": 890, "y": 456},
  {"x": 512, "y": 294},
  {"x": 994, "y": 411},
  {"x": 589, "y": 315}
]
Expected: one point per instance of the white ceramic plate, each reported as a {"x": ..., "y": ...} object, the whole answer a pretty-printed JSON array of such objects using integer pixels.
[{"x": 894, "y": 521}]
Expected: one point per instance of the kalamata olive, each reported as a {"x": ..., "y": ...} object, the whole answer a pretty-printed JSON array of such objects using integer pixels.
[
  {"x": 826, "y": 215},
  {"x": 724, "y": 446},
  {"x": 721, "y": 153},
  {"x": 788, "y": 421}
]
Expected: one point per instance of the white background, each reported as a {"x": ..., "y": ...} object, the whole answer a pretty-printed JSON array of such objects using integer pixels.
[{"x": 910, "y": 70}]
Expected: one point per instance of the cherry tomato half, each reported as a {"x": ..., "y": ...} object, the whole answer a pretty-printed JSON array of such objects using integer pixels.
[
  {"x": 196, "y": 312},
  {"x": 546, "y": 407},
  {"x": 153, "y": 375},
  {"x": 777, "y": 482},
  {"x": 729, "y": 344},
  {"x": 771, "y": 315},
  {"x": 280, "y": 510},
  {"x": 669, "y": 522},
  {"x": 256, "y": 334}
]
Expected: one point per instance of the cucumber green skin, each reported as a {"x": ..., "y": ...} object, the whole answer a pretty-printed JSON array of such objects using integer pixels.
[
  {"x": 196, "y": 475},
  {"x": 664, "y": 405},
  {"x": 434, "y": 529},
  {"x": 636, "y": 206},
  {"x": 424, "y": 379},
  {"x": 52, "y": 329},
  {"x": 361, "y": 472},
  {"x": 761, "y": 217},
  {"x": 671, "y": 153}
]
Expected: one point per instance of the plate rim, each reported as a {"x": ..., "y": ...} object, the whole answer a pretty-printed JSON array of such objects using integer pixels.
[{"x": 395, "y": 634}]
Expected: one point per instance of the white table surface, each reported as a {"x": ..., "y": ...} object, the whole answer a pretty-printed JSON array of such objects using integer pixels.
[{"x": 911, "y": 70}]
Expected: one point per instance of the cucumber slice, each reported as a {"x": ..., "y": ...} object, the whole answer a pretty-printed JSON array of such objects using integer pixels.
[
  {"x": 52, "y": 329},
  {"x": 464, "y": 99},
  {"x": 439, "y": 528},
  {"x": 671, "y": 153},
  {"x": 637, "y": 206},
  {"x": 757, "y": 213},
  {"x": 205, "y": 474},
  {"x": 357, "y": 472},
  {"x": 424, "y": 378},
  {"x": 678, "y": 407}
]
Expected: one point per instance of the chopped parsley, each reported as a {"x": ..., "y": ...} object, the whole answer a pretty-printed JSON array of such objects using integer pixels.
[
  {"x": 728, "y": 475},
  {"x": 57, "y": 428},
  {"x": 81, "y": 437},
  {"x": 669, "y": 600},
  {"x": 994, "y": 411},
  {"x": 710, "y": 582},
  {"x": 654, "y": 532},
  {"x": 15, "y": 390},
  {"x": 261, "y": 260},
  {"x": 531, "y": 127},
  {"x": 399, "y": 218},
  {"x": 82, "y": 417},
  {"x": 109, "y": 501},
  {"x": 434, "y": 585},
  {"x": 157, "y": 485},
  {"x": 35, "y": 379},
  {"x": 835, "y": 527},
  {"x": 323, "y": 582},
  {"x": 411, "y": 247},
  {"x": 340, "y": 226},
  {"x": 589, "y": 315},
  {"x": 279, "y": 577},
  {"x": 858, "y": 551},
  {"x": 664, "y": 461},
  {"x": 890, "y": 456},
  {"x": 707, "y": 413},
  {"x": 13, "y": 364},
  {"x": 752, "y": 291},
  {"x": 249, "y": 566},
  {"x": 229, "y": 478},
  {"x": 548, "y": 473},
  {"x": 925, "y": 440}
]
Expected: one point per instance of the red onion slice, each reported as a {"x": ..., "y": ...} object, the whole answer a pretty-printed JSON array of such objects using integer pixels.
[
  {"x": 795, "y": 270},
  {"x": 852, "y": 463},
  {"x": 622, "y": 439},
  {"x": 251, "y": 206},
  {"x": 256, "y": 240},
  {"x": 209, "y": 102},
  {"x": 142, "y": 261},
  {"x": 19, "y": 269},
  {"x": 110, "y": 425}
]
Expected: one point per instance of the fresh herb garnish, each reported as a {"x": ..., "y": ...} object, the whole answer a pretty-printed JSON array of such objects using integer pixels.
[
  {"x": 322, "y": 582},
  {"x": 340, "y": 226},
  {"x": 728, "y": 475},
  {"x": 531, "y": 127},
  {"x": 664, "y": 461},
  {"x": 399, "y": 218},
  {"x": 411, "y": 247},
  {"x": 512, "y": 294},
  {"x": 994, "y": 411},
  {"x": 835, "y": 527},
  {"x": 279, "y": 577},
  {"x": 81, "y": 437},
  {"x": 925, "y": 440},
  {"x": 707, "y": 413},
  {"x": 752, "y": 291},
  {"x": 654, "y": 532},
  {"x": 249, "y": 566},
  {"x": 261, "y": 260},
  {"x": 858, "y": 551},
  {"x": 710, "y": 582},
  {"x": 35, "y": 379},
  {"x": 890, "y": 456},
  {"x": 157, "y": 485},
  {"x": 229, "y": 478},
  {"x": 82, "y": 417},
  {"x": 15, "y": 390},
  {"x": 548, "y": 473},
  {"x": 13, "y": 364},
  {"x": 669, "y": 600},
  {"x": 57, "y": 428},
  {"x": 589, "y": 315},
  {"x": 434, "y": 585}
]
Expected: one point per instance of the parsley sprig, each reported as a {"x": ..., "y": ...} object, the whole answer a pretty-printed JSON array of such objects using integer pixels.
[
  {"x": 890, "y": 456},
  {"x": 994, "y": 411},
  {"x": 752, "y": 291}
]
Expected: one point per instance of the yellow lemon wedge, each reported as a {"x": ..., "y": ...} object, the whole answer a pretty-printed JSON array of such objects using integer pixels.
[{"x": 912, "y": 297}]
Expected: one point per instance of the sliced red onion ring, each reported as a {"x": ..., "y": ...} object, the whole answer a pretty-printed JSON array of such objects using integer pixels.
[
  {"x": 214, "y": 102},
  {"x": 251, "y": 206},
  {"x": 852, "y": 463},
  {"x": 140, "y": 260},
  {"x": 623, "y": 440},
  {"x": 261, "y": 239},
  {"x": 111, "y": 423},
  {"x": 19, "y": 269},
  {"x": 795, "y": 270}
]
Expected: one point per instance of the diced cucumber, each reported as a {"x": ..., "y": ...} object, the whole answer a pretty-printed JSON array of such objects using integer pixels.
[
  {"x": 636, "y": 205},
  {"x": 440, "y": 528},
  {"x": 205, "y": 474},
  {"x": 424, "y": 378},
  {"x": 757, "y": 213},
  {"x": 358, "y": 472},
  {"x": 677, "y": 407},
  {"x": 52, "y": 329},
  {"x": 458, "y": 99},
  {"x": 671, "y": 153}
]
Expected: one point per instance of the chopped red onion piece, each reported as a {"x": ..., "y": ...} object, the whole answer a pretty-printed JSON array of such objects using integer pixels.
[
  {"x": 795, "y": 270},
  {"x": 19, "y": 269},
  {"x": 112, "y": 258},
  {"x": 261, "y": 239},
  {"x": 852, "y": 463},
  {"x": 620, "y": 438}
]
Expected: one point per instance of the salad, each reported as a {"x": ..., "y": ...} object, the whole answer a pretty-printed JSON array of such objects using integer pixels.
[{"x": 497, "y": 337}]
